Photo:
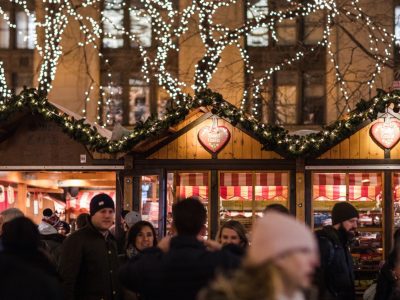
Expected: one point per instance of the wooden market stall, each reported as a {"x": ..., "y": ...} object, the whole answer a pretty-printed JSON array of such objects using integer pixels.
[
  {"x": 363, "y": 169},
  {"x": 41, "y": 166},
  {"x": 207, "y": 157}
]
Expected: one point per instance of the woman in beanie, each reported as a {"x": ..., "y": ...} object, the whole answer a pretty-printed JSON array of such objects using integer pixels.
[{"x": 279, "y": 264}]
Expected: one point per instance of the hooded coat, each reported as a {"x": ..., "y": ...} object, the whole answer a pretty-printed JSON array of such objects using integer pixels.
[{"x": 335, "y": 277}]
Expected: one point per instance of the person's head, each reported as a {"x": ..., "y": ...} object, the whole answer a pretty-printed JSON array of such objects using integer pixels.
[
  {"x": 394, "y": 255},
  {"x": 131, "y": 218},
  {"x": 9, "y": 214},
  {"x": 82, "y": 220},
  {"x": 102, "y": 212},
  {"x": 345, "y": 217},
  {"x": 20, "y": 235},
  {"x": 142, "y": 235},
  {"x": 189, "y": 217},
  {"x": 233, "y": 232},
  {"x": 287, "y": 244},
  {"x": 277, "y": 207}
]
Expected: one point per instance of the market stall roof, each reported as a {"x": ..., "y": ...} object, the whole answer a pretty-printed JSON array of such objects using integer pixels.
[{"x": 272, "y": 137}]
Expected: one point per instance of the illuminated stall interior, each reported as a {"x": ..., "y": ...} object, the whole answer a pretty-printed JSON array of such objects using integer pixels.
[
  {"x": 68, "y": 193},
  {"x": 244, "y": 195},
  {"x": 365, "y": 192}
]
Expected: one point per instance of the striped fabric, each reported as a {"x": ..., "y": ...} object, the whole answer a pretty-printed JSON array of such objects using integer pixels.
[
  {"x": 82, "y": 201},
  {"x": 192, "y": 185},
  {"x": 239, "y": 186},
  {"x": 332, "y": 186},
  {"x": 396, "y": 186}
]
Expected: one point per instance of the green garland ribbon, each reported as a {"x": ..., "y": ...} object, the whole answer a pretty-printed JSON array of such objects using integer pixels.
[{"x": 272, "y": 137}]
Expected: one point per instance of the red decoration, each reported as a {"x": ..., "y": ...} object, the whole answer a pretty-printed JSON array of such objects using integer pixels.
[
  {"x": 386, "y": 132},
  {"x": 214, "y": 137}
]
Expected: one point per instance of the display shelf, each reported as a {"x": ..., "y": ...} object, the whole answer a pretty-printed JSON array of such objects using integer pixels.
[{"x": 320, "y": 205}]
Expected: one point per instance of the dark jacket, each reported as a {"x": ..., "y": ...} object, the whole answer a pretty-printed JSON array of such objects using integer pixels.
[
  {"x": 20, "y": 280},
  {"x": 52, "y": 244},
  {"x": 335, "y": 277},
  {"x": 178, "y": 274},
  {"x": 89, "y": 265},
  {"x": 386, "y": 285}
]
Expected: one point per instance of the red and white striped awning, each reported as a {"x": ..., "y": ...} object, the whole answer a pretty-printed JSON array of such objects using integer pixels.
[
  {"x": 239, "y": 186},
  {"x": 192, "y": 185},
  {"x": 332, "y": 186},
  {"x": 82, "y": 201},
  {"x": 396, "y": 186}
]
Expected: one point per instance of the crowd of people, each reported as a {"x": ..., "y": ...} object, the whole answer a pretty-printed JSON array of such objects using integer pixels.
[{"x": 283, "y": 259}]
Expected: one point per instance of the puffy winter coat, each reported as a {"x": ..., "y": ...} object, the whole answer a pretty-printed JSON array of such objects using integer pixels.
[
  {"x": 178, "y": 274},
  {"x": 335, "y": 276},
  {"x": 89, "y": 265}
]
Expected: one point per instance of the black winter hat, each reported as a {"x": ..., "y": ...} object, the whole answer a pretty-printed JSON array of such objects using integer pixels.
[
  {"x": 47, "y": 212},
  {"x": 99, "y": 202},
  {"x": 343, "y": 211}
]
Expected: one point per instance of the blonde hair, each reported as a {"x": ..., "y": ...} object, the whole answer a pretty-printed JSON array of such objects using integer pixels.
[{"x": 247, "y": 283}]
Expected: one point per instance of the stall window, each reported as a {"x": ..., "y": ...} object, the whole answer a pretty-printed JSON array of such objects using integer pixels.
[
  {"x": 150, "y": 199},
  {"x": 244, "y": 195},
  {"x": 181, "y": 185},
  {"x": 364, "y": 191}
]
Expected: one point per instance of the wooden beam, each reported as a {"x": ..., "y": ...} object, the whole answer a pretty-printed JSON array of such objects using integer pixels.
[
  {"x": 177, "y": 134},
  {"x": 44, "y": 190}
]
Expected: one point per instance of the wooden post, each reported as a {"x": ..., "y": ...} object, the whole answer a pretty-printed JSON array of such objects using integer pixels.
[{"x": 300, "y": 190}]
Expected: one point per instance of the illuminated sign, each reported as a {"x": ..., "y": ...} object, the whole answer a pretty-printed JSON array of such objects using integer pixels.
[
  {"x": 213, "y": 138},
  {"x": 386, "y": 132}
]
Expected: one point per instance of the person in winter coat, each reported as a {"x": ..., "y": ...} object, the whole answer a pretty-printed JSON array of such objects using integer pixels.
[
  {"x": 179, "y": 266},
  {"x": 279, "y": 264},
  {"x": 51, "y": 239},
  {"x": 335, "y": 278},
  {"x": 21, "y": 281},
  {"x": 388, "y": 284},
  {"x": 89, "y": 258},
  {"x": 140, "y": 236},
  {"x": 6, "y": 216},
  {"x": 233, "y": 232},
  {"x": 21, "y": 240}
]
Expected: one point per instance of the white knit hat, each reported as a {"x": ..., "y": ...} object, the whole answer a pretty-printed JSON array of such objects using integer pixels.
[
  {"x": 132, "y": 218},
  {"x": 275, "y": 234}
]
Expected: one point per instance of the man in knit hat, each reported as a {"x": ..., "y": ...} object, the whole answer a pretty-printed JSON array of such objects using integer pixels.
[
  {"x": 335, "y": 277},
  {"x": 89, "y": 259}
]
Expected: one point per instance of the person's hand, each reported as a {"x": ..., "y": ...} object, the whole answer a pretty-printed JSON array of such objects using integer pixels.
[
  {"x": 164, "y": 244},
  {"x": 212, "y": 245}
]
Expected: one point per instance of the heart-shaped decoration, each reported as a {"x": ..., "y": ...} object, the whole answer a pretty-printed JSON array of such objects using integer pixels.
[
  {"x": 214, "y": 138},
  {"x": 386, "y": 133}
]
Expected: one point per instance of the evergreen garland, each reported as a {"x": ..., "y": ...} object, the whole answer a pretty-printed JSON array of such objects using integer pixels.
[{"x": 272, "y": 137}]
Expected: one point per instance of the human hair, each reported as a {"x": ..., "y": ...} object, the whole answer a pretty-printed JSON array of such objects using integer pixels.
[
  {"x": 277, "y": 207},
  {"x": 247, "y": 283},
  {"x": 20, "y": 235},
  {"x": 394, "y": 255},
  {"x": 10, "y": 214},
  {"x": 238, "y": 228},
  {"x": 189, "y": 216},
  {"x": 82, "y": 220},
  {"x": 134, "y": 232}
]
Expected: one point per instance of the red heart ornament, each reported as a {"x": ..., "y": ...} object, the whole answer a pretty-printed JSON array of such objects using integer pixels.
[
  {"x": 386, "y": 134},
  {"x": 214, "y": 138}
]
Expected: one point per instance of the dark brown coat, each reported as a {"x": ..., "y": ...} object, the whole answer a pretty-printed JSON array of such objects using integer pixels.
[{"x": 89, "y": 266}]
